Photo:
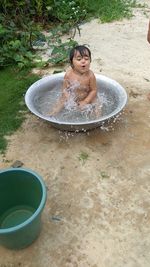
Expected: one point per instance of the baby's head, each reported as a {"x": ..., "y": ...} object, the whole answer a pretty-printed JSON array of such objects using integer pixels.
[{"x": 82, "y": 50}]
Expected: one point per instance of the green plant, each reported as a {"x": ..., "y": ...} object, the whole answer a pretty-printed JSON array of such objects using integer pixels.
[
  {"x": 108, "y": 10},
  {"x": 83, "y": 157},
  {"x": 66, "y": 10},
  {"x": 21, "y": 24},
  {"x": 13, "y": 87},
  {"x": 16, "y": 45},
  {"x": 104, "y": 175},
  {"x": 59, "y": 49}
]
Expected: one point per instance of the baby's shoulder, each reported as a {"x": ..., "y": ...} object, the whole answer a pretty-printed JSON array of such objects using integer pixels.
[
  {"x": 68, "y": 72},
  {"x": 91, "y": 75}
]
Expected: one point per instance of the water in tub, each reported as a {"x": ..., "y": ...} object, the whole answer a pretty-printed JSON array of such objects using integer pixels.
[{"x": 105, "y": 104}]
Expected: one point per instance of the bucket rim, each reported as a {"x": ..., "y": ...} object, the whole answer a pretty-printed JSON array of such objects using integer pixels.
[{"x": 41, "y": 204}]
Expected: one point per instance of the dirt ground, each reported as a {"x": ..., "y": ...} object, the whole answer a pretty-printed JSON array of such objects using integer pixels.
[{"x": 97, "y": 212}]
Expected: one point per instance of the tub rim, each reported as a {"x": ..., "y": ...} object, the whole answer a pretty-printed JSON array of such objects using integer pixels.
[{"x": 31, "y": 89}]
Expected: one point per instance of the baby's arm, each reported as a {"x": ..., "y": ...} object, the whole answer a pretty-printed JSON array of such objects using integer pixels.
[
  {"x": 66, "y": 85},
  {"x": 93, "y": 91},
  {"x": 60, "y": 103}
]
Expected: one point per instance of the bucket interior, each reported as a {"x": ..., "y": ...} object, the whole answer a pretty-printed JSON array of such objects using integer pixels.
[{"x": 20, "y": 196}]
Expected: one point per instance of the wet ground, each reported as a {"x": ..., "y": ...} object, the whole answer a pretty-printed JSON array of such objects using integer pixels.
[
  {"x": 97, "y": 211},
  {"x": 98, "y": 200}
]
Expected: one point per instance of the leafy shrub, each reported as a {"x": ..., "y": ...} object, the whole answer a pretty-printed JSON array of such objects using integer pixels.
[
  {"x": 16, "y": 43},
  {"x": 21, "y": 23},
  {"x": 66, "y": 10},
  {"x": 60, "y": 50}
]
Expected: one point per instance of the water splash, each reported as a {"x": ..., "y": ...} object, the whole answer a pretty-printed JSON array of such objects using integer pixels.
[
  {"x": 71, "y": 112},
  {"x": 42, "y": 96},
  {"x": 108, "y": 126}
]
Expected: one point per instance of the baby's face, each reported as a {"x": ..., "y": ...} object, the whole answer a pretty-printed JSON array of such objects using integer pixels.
[{"x": 81, "y": 63}]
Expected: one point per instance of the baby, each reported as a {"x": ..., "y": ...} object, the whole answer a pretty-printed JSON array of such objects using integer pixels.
[{"x": 79, "y": 81}]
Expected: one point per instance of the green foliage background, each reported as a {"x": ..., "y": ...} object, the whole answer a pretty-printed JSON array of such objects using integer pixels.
[
  {"x": 22, "y": 22},
  {"x": 21, "y": 29}
]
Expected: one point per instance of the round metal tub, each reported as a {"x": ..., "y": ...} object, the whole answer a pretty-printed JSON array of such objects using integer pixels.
[{"x": 112, "y": 93}]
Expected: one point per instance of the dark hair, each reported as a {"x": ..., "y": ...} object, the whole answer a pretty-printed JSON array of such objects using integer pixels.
[{"x": 81, "y": 49}]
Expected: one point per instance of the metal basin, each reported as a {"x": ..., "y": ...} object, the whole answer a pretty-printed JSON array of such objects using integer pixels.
[{"x": 44, "y": 93}]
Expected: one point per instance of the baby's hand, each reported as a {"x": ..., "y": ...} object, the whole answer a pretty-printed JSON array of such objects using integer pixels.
[{"x": 82, "y": 104}]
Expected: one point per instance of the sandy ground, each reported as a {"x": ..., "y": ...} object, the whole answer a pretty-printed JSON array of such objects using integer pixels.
[{"x": 98, "y": 211}]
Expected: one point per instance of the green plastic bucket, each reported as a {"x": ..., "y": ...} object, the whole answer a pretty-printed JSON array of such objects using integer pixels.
[{"x": 22, "y": 199}]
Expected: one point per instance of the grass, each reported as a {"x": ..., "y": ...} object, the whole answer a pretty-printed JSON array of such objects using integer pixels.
[
  {"x": 83, "y": 157},
  {"x": 104, "y": 175},
  {"x": 110, "y": 10},
  {"x": 12, "y": 106}
]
